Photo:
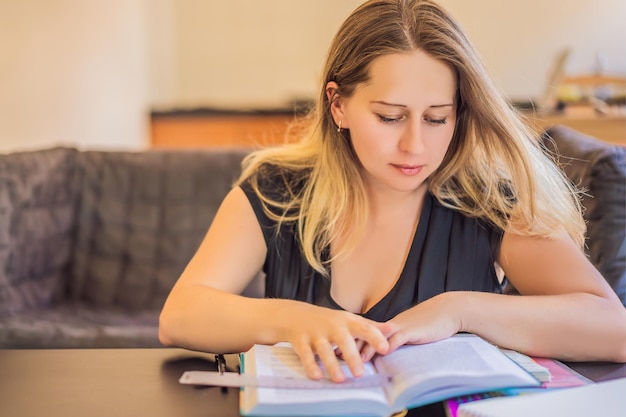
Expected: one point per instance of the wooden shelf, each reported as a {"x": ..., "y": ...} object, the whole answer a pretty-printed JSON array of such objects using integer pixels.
[
  {"x": 222, "y": 129},
  {"x": 609, "y": 127},
  {"x": 595, "y": 80},
  {"x": 258, "y": 129}
]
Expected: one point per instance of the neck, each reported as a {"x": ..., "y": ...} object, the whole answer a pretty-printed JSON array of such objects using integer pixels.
[{"x": 387, "y": 205}]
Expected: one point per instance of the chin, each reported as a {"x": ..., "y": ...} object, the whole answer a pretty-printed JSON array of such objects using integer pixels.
[{"x": 406, "y": 186}]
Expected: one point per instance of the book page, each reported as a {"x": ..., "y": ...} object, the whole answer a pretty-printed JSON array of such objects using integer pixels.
[
  {"x": 283, "y": 361},
  {"x": 454, "y": 364}
]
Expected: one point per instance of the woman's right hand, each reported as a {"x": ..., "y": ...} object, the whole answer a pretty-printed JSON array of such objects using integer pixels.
[{"x": 318, "y": 332}]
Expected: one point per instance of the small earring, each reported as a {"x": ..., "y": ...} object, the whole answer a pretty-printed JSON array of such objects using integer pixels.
[{"x": 339, "y": 127}]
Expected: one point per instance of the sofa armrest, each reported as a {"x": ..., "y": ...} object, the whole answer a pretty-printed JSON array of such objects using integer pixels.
[
  {"x": 599, "y": 169},
  {"x": 37, "y": 211}
]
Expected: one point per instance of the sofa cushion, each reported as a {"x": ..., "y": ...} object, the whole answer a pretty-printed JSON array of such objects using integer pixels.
[
  {"x": 599, "y": 169},
  {"x": 79, "y": 326},
  {"x": 37, "y": 211},
  {"x": 142, "y": 215}
]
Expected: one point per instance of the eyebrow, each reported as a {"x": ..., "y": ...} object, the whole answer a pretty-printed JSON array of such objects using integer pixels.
[{"x": 404, "y": 106}]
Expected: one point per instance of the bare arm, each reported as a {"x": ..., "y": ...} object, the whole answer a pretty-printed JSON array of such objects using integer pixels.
[
  {"x": 204, "y": 311},
  {"x": 228, "y": 258},
  {"x": 566, "y": 310}
]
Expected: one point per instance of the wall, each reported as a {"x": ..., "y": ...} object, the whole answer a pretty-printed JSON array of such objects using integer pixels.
[
  {"x": 252, "y": 53},
  {"x": 245, "y": 53},
  {"x": 73, "y": 72},
  {"x": 520, "y": 40},
  {"x": 87, "y": 73}
]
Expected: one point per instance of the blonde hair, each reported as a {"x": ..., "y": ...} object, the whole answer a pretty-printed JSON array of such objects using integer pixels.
[{"x": 495, "y": 168}]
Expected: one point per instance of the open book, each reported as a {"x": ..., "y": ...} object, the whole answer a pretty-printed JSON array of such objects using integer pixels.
[{"x": 420, "y": 374}]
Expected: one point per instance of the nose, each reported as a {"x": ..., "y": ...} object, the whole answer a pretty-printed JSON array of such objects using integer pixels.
[{"x": 411, "y": 141}]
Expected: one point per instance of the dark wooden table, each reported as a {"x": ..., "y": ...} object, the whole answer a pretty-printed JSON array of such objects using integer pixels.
[{"x": 138, "y": 382}]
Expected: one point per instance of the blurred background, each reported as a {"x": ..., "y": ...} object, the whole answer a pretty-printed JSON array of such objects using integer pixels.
[{"x": 99, "y": 74}]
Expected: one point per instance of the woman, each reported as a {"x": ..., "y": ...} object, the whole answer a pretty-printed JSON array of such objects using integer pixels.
[{"x": 395, "y": 218}]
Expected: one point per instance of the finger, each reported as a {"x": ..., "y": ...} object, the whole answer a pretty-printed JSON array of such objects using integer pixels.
[
  {"x": 368, "y": 331},
  {"x": 351, "y": 354},
  {"x": 387, "y": 328},
  {"x": 326, "y": 353},
  {"x": 398, "y": 339},
  {"x": 307, "y": 357},
  {"x": 367, "y": 352},
  {"x": 359, "y": 344}
]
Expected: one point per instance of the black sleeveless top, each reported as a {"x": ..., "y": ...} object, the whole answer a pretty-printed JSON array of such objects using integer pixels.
[{"x": 449, "y": 252}]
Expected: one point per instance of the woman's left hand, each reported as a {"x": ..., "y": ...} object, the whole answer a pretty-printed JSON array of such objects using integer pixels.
[{"x": 434, "y": 319}]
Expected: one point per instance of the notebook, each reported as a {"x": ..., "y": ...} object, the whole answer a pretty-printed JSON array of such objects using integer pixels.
[{"x": 604, "y": 399}]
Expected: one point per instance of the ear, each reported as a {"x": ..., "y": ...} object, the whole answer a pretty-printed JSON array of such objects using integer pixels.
[{"x": 337, "y": 104}]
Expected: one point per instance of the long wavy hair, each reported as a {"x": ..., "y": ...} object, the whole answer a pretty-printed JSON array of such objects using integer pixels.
[{"x": 495, "y": 168}]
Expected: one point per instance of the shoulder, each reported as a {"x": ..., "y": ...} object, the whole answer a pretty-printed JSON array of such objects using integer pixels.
[
  {"x": 274, "y": 193},
  {"x": 274, "y": 182}
]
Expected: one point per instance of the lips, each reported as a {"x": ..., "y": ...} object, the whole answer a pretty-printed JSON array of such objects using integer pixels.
[{"x": 408, "y": 170}]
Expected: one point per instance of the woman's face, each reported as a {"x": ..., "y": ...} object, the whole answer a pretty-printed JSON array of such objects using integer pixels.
[{"x": 401, "y": 120}]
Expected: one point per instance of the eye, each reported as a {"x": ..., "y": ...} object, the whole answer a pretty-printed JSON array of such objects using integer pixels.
[
  {"x": 433, "y": 121},
  {"x": 386, "y": 119}
]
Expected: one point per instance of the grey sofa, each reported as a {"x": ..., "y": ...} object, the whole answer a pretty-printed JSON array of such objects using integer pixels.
[
  {"x": 600, "y": 170},
  {"x": 92, "y": 242}
]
